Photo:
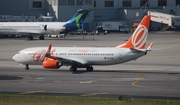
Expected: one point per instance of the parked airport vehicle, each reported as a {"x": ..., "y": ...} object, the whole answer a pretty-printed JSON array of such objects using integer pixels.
[
  {"x": 57, "y": 36},
  {"x": 44, "y": 28},
  {"x": 86, "y": 57},
  {"x": 115, "y": 27}
]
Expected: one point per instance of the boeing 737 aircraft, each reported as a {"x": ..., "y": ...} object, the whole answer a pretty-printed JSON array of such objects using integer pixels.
[
  {"x": 42, "y": 28},
  {"x": 85, "y": 57}
]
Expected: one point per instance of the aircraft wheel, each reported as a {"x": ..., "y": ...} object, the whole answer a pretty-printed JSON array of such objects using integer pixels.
[
  {"x": 27, "y": 67},
  {"x": 73, "y": 69},
  {"x": 89, "y": 68},
  {"x": 30, "y": 37},
  {"x": 41, "y": 37}
]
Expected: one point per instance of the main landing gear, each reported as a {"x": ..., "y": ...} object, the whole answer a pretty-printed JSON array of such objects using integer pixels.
[
  {"x": 30, "y": 37},
  {"x": 27, "y": 67},
  {"x": 41, "y": 37},
  {"x": 72, "y": 69},
  {"x": 88, "y": 68}
]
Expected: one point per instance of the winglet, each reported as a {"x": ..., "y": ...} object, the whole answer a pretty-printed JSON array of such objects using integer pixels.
[
  {"x": 150, "y": 46},
  {"x": 138, "y": 38},
  {"x": 48, "y": 53}
]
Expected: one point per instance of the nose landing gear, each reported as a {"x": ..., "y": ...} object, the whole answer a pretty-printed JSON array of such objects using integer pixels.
[{"x": 27, "y": 67}]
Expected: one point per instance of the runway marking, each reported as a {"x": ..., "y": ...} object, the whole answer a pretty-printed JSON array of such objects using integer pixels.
[
  {"x": 86, "y": 81},
  {"x": 142, "y": 76},
  {"x": 61, "y": 82},
  {"x": 135, "y": 82},
  {"x": 31, "y": 92},
  {"x": 93, "y": 94},
  {"x": 40, "y": 78},
  {"x": 57, "y": 81},
  {"x": 27, "y": 77}
]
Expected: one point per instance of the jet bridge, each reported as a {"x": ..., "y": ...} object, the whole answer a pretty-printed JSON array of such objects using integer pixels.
[{"x": 169, "y": 20}]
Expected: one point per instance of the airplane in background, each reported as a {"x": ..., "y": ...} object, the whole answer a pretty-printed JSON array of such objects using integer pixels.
[
  {"x": 43, "y": 28},
  {"x": 86, "y": 57}
]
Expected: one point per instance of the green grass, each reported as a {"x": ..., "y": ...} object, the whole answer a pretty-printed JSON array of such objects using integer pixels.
[{"x": 15, "y": 99}]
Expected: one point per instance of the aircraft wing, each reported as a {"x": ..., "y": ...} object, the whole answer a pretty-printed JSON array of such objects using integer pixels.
[
  {"x": 31, "y": 31},
  {"x": 72, "y": 61}
]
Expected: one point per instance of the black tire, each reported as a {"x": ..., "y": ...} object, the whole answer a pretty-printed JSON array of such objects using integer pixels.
[
  {"x": 26, "y": 68},
  {"x": 41, "y": 37},
  {"x": 30, "y": 37},
  {"x": 89, "y": 68},
  {"x": 73, "y": 69}
]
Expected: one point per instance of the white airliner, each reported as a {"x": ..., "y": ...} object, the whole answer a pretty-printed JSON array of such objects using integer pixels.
[
  {"x": 43, "y": 28},
  {"x": 85, "y": 57}
]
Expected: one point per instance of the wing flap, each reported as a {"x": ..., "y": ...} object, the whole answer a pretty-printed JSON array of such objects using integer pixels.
[
  {"x": 30, "y": 31},
  {"x": 72, "y": 61}
]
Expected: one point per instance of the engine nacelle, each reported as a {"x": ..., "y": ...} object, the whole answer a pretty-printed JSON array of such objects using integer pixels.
[
  {"x": 51, "y": 64},
  {"x": 53, "y": 28}
]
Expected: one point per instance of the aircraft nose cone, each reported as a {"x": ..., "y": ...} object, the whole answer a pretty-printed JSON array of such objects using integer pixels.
[{"x": 14, "y": 57}]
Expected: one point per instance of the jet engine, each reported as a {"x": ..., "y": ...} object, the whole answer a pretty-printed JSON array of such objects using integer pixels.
[
  {"x": 53, "y": 28},
  {"x": 51, "y": 64}
]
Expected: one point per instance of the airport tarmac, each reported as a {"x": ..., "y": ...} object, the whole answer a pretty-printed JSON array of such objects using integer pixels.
[{"x": 154, "y": 75}]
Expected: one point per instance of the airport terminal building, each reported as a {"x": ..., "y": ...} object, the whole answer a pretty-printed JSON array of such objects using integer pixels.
[{"x": 102, "y": 10}]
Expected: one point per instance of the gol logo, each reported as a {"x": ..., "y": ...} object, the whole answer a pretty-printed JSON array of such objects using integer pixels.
[
  {"x": 39, "y": 56},
  {"x": 139, "y": 37}
]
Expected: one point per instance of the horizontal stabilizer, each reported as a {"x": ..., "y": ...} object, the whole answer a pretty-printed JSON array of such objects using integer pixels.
[
  {"x": 154, "y": 49},
  {"x": 137, "y": 50}
]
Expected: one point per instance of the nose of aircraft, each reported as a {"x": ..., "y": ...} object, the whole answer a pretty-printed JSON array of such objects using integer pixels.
[{"x": 15, "y": 58}]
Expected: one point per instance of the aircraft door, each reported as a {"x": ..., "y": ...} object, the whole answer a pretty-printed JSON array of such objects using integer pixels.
[{"x": 25, "y": 54}]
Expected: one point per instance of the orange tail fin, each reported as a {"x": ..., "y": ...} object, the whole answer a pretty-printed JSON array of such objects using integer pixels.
[{"x": 138, "y": 38}]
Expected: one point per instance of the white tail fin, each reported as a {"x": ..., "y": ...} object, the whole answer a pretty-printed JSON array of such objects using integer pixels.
[{"x": 138, "y": 38}]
